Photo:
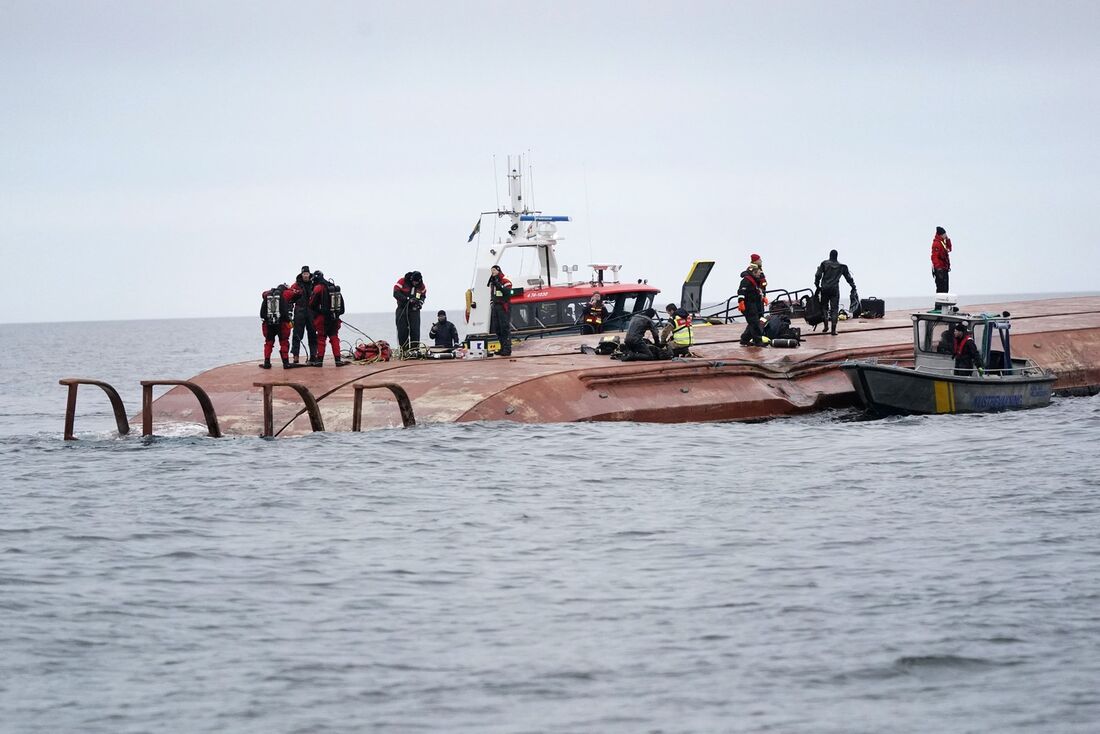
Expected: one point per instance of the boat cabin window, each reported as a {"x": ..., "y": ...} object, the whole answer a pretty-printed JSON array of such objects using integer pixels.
[
  {"x": 521, "y": 316},
  {"x": 548, "y": 313},
  {"x": 642, "y": 302},
  {"x": 935, "y": 337}
]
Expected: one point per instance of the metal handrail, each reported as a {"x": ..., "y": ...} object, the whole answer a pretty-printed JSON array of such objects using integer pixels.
[
  {"x": 403, "y": 403},
  {"x": 74, "y": 383},
  {"x": 147, "y": 386},
  {"x": 312, "y": 408}
]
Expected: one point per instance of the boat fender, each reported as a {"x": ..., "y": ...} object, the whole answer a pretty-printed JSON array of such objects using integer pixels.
[
  {"x": 469, "y": 303},
  {"x": 785, "y": 343}
]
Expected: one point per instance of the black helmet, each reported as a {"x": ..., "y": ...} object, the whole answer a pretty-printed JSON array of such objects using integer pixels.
[
  {"x": 318, "y": 275},
  {"x": 417, "y": 276}
]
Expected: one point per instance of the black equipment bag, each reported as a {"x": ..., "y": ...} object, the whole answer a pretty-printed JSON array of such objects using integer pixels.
[
  {"x": 872, "y": 308},
  {"x": 813, "y": 313}
]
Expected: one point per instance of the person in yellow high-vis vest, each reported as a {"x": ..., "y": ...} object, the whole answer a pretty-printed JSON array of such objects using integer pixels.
[{"x": 678, "y": 334}]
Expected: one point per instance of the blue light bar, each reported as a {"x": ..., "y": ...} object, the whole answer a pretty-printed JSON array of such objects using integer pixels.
[{"x": 543, "y": 218}]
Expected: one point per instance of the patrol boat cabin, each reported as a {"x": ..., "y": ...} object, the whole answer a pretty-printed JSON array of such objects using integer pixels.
[{"x": 546, "y": 298}]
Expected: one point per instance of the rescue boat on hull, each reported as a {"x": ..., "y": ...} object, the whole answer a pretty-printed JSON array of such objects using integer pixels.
[{"x": 539, "y": 305}]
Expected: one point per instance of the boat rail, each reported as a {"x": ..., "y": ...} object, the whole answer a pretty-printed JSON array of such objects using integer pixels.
[{"x": 782, "y": 301}]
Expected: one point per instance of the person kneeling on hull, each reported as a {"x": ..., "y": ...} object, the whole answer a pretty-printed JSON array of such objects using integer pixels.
[
  {"x": 634, "y": 345},
  {"x": 678, "y": 334},
  {"x": 444, "y": 332},
  {"x": 275, "y": 310}
]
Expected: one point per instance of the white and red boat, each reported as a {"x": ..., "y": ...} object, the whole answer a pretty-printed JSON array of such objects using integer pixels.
[{"x": 547, "y": 299}]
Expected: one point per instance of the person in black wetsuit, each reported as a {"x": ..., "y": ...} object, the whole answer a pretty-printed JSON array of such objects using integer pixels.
[
  {"x": 967, "y": 356},
  {"x": 827, "y": 282},
  {"x": 634, "y": 345},
  {"x": 303, "y": 317}
]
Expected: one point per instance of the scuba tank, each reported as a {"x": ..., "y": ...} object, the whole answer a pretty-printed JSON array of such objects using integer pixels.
[
  {"x": 336, "y": 299},
  {"x": 785, "y": 343},
  {"x": 272, "y": 308}
]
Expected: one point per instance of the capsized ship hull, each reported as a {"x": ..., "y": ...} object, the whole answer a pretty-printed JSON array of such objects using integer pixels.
[{"x": 549, "y": 380}]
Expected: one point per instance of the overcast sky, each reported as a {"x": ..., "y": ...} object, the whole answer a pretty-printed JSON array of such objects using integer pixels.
[{"x": 175, "y": 159}]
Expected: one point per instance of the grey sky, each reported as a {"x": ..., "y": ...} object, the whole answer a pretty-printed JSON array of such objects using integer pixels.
[{"x": 174, "y": 159}]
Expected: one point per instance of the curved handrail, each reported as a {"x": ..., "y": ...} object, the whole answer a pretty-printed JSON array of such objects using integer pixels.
[
  {"x": 312, "y": 408},
  {"x": 212, "y": 427},
  {"x": 402, "y": 397},
  {"x": 74, "y": 383}
]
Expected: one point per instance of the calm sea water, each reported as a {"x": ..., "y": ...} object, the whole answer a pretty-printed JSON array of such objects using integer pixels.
[{"x": 818, "y": 574}]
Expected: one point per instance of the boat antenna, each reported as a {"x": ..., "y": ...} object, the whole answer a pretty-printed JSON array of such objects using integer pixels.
[
  {"x": 531, "y": 177},
  {"x": 587, "y": 210},
  {"x": 496, "y": 183}
]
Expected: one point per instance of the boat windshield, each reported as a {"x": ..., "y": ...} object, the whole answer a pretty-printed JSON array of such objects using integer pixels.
[{"x": 935, "y": 337}]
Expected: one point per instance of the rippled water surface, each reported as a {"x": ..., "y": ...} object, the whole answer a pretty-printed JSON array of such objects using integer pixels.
[{"x": 817, "y": 574}]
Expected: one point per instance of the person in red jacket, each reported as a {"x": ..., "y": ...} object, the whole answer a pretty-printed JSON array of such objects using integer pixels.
[
  {"x": 941, "y": 259},
  {"x": 275, "y": 314},
  {"x": 327, "y": 303}
]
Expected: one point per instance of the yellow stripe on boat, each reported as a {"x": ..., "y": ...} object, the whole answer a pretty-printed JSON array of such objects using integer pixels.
[{"x": 945, "y": 400}]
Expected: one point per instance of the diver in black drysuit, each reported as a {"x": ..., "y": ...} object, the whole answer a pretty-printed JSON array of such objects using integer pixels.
[
  {"x": 303, "y": 317},
  {"x": 634, "y": 345},
  {"x": 827, "y": 281}
]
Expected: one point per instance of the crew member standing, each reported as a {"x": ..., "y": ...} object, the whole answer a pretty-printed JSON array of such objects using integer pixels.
[
  {"x": 750, "y": 302},
  {"x": 327, "y": 303},
  {"x": 593, "y": 315},
  {"x": 827, "y": 282},
  {"x": 941, "y": 259},
  {"x": 410, "y": 294},
  {"x": 303, "y": 318},
  {"x": 500, "y": 297},
  {"x": 275, "y": 312},
  {"x": 444, "y": 332},
  {"x": 967, "y": 356}
]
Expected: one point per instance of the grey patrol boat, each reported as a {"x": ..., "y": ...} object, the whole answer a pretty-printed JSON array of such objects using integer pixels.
[{"x": 933, "y": 385}]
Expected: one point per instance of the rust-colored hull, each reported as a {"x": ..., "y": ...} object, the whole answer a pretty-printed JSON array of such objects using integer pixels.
[{"x": 551, "y": 381}]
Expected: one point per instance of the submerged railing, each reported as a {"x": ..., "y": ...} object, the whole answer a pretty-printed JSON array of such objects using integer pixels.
[
  {"x": 212, "y": 427},
  {"x": 403, "y": 403},
  {"x": 74, "y": 383},
  {"x": 312, "y": 408}
]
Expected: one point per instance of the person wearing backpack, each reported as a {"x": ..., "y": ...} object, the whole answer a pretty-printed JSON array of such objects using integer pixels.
[
  {"x": 827, "y": 283},
  {"x": 327, "y": 302},
  {"x": 275, "y": 310}
]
